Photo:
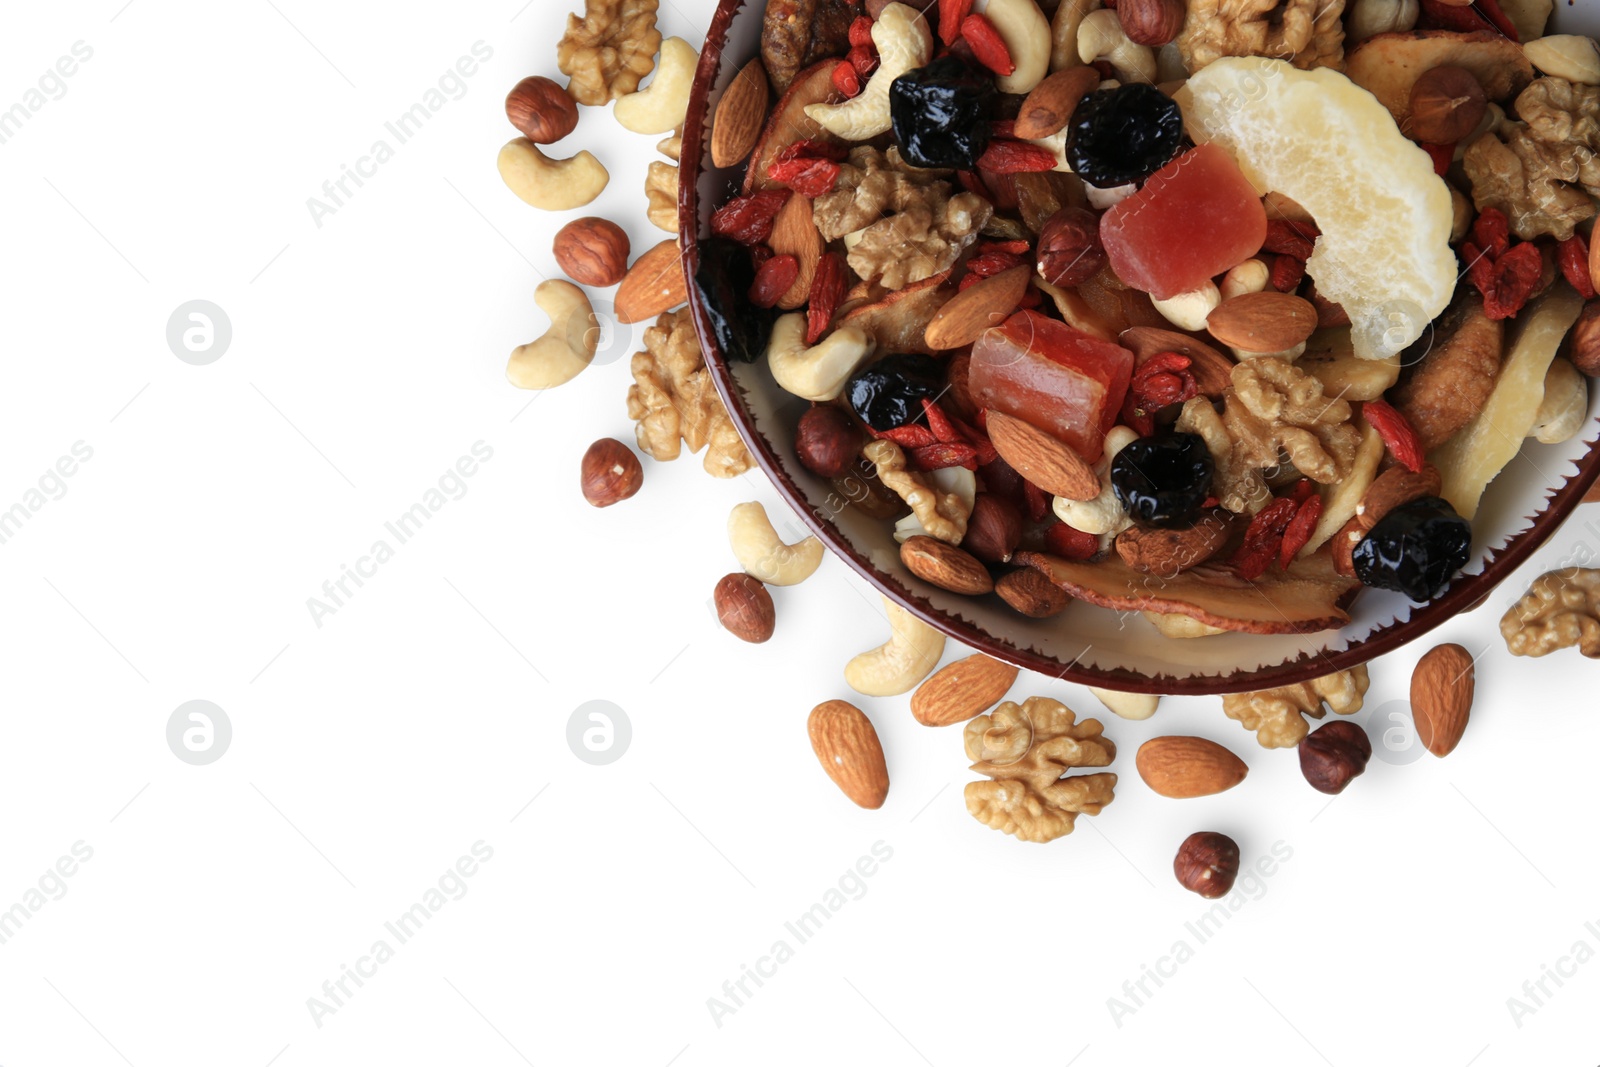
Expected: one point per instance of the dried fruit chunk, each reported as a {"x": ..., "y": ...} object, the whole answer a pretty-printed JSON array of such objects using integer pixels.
[
  {"x": 1304, "y": 598},
  {"x": 1389, "y": 65},
  {"x": 1471, "y": 459},
  {"x": 1027, "y": 749},
  {"x": 609, "y": 50},
  {"x": 798, "y": 33},
  {"x": 1455, "y": 375},
  {"x": 1385, "y": 215}
]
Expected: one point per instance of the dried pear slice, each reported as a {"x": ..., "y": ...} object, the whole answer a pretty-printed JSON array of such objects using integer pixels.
[
  {"x": 1181, "y": 626},
  {"x": 1306, "y": 598},
  {"x": 899, "y": 322},
  {"x": 1330, "y": 357},
  {"x": 1455, "y": 374},
  {"x": 789, "y": 123},
  {"x": 1388, "y": 65},
  {"x": 1340, "y": 499},
  {"x": 1314, "y": 135},
  {"x": 1469, "y": 461}
]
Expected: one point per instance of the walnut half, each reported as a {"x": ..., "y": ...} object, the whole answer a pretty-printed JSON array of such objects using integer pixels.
[
  {"x": 1561, "y": 609},
  {"x": 676, "y": 403},
  {"x": 1307, "y": 33},
  {"x": 1278, "y": 715},
  {"x": 1026, "y": 750},
  {"x": 608, "y": 51}
]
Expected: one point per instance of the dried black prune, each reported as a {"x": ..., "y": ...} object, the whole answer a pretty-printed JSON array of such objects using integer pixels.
[
  {"x": 941, "y": 114},
  {"x": 890, "y": 392},
  {"x": 724, "y": 277},
  {"x": 1163, "y": 481},
  {"x": 1123, "y": 135},
  {"x": 1415, "y": 549}
]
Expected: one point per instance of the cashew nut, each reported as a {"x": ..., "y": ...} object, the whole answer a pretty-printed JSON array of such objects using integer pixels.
[
  {"x": 550, "y": 184},
  {"x": 1566, "y": 56},
  {"x": 1056, "y": 145},
  {"x": 1064, "y": 32},
  {"x": 1251, "y": 276},
  {"x": 762, "y": 553},
  {"x": 1026, "y": 32},
  {"x": 1100, "y": 36},
  {"x": 1128, "y": 705},
  {"x": 819, "y": 372},
  {"x": 896, "y": 666},
  {"x": 1368, "y": 18},
  {"x": 1463, "y": 213},
  {"x": 1104, "y": 516},
  {"x": 1566, "y": 404},
  {"x": 1189, "y": 311},
  {"x": 566, "y": 348},
  {"x": 1105, "y": 199},
  {"x": 660, "y": 106},
  {"x": 904, "y": 44}
]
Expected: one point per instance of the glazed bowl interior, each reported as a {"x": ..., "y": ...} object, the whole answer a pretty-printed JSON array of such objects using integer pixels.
[{"x": 1088, "y": 644}]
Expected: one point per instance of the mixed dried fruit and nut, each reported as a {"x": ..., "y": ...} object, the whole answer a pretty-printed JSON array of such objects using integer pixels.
[
  {"x": 1072, "y": 332},
  {"x": 1210, "y": 310}
]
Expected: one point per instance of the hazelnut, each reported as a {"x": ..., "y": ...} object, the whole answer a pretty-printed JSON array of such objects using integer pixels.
[
  {"x": 542, "y": 110},
  {"x": 1447, "y": 103},
  {"x": 592, "y": 252},
  {"x": 1333, "y": 754},
  {"x": 744, "y": 607},
  {"x": 1152, "y": 22},
  {"x": 1070, "y": 252},
  {"x": 993, "y": 528},
  {"x": 1585, "y": 339},
  {"x": 611, "y": 473},
  {"x": 826, "y": 442},
  {"x": 1207, "y": 862}
]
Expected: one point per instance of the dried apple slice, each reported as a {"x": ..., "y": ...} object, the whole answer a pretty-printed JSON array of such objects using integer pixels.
[
  {"x": 899, "y": 322},
  {"x": 1306, "y": 598},
  {"x": 1388, "y": 65},
  {"x": 1469, "y": 461},
  {"x": 1339, "y": 500},
  {"x": 790, "y": 124}
]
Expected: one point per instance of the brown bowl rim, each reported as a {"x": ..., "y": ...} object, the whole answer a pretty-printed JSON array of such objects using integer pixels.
[{"x": 1462, "y": 596}]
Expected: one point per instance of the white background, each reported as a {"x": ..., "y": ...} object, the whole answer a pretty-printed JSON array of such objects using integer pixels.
[{"x": 429, "y": 711}]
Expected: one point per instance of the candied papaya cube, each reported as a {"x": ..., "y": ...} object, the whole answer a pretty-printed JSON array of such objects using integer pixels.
[
  {"x": 1195, "y": 218},
  {"x": 1057, "y": 379}
]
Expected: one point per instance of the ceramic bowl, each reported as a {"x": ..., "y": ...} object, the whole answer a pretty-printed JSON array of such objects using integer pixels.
[{"x": 1087, "y": 644}]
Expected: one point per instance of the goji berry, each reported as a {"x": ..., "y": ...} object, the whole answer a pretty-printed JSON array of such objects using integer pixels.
[
  {"x": 1497, "y": 16},
  {"x": 1263, "y": 540},
  {"x": 1303, "y": 490},
  {"x": 908, "y": 436},
  {"x": 1297, "y": 239},
  {"x": 862, "y": 59},
  {"x": 952, "y": 13},
  {"x": 991, "y": 263},
  {"x": 810, "y": 178},
  {"x": 828, "y": 290},
  {"x": 846, "y": 80},
  {"x": 1398, "y": 435},
  {"x": 972, "y": 183},
  {"x": 1287, "y": 274},
  {"x": 1507, "y": 283},
  {"x": 1161, "y": 380},
  {"x": 1491, "y": 231},
  {"x": 979, "y": 440},
  {"x": 941, "y": 455},
  {"x": 774, "y": 278},
  {"x": 748, "y": 219},
  {"x": 940, "y": 424},
  {"x": 1003, "y": 128},
  {"x": 1015, "y": 157},
  {"x": 1298, "y": 533},
  {"x": 1442, "y": 155},
  {"x": 1037, "y": 503},
  {"x": 1574, "y": 259},
  {"x": 1030, "y": 299},
  {"x": 1470, "y": 18},
  {"x": 1069, "y": 542},
  {"x": 861, "y": 32},
  {"x": 1016, "y": 248},
  {"x": 987, "y": 44},
  {"x": 759, "y": 254}
]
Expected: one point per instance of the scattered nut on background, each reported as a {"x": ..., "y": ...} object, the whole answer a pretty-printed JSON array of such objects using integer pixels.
[
  {"x": 1207, "y": 863},
  {"x": 1441, "y": 697},
  {"x": 611, "y": 473},
  {"x": 846, "y": 744},
  {"x": 745, "y": 608},
  {"x": 1025, "y": 749},
  {"x": 1333, "y": 755},
  {"x": 592, "y": 251}
]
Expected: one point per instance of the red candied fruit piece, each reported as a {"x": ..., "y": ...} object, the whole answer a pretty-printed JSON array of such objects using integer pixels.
[
  {"x": 1059, "y": 379},
  {"x": 1194, "y": 219}
]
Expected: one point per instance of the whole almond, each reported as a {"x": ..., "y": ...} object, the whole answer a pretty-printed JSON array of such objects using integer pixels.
[
  {"x": 1168, "y": 553},
  {"x": 794, "y": 233},
  {"x": 741, "y": 113},
  {"x": 1152, "y": 22},
  {"x": 1049, "y": 107},
  {"x": 1032, "y": 594},
  {"x": 847, "y": 747},
  {"x": 945, "y": 566},
  {"x": 654, "y": 284},
  {"x": 962, "y": 691},
  {"x": 1050, "y": 464},
  {"x": 1441, "y": 697},
  {"x": 977, "y": 308},
  {"x": 1394, "y": 487},
  {"x": 1184, "y": 767},
  {"x": 1263, "y": 322}
]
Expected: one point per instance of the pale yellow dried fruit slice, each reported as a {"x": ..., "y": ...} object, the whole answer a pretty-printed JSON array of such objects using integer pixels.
[
  {"x": 1330, "y": 357},
  {"x": 1469, "y": 461},
  {"x": 1385, "y": 216},
  {"x": 1339, "y": 500}
]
